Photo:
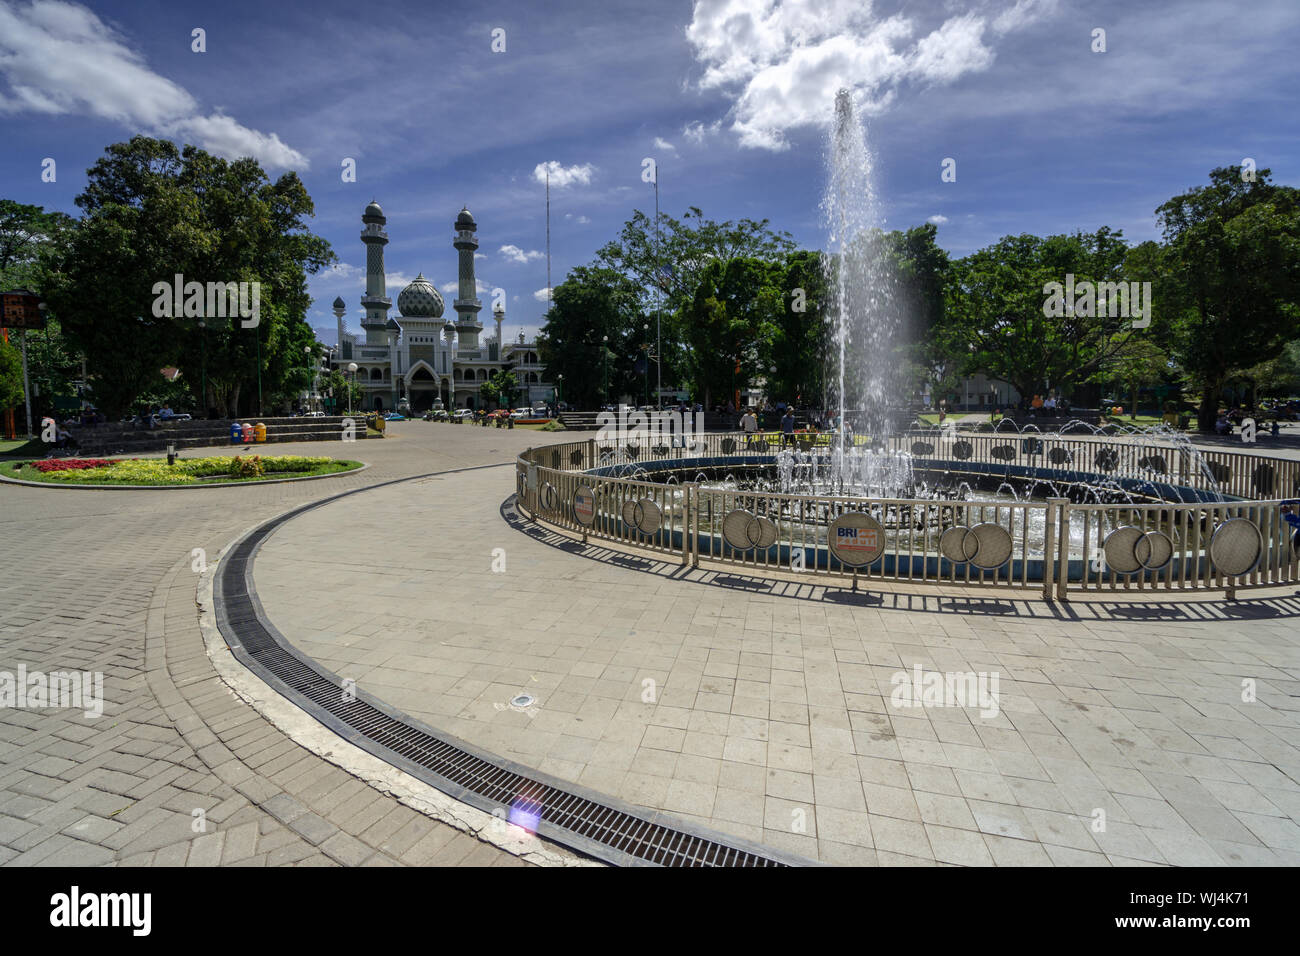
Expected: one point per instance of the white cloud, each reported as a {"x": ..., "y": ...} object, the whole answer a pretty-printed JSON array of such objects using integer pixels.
[
  {"x": 937, "y": 219},
  {"x": 661, "y": 143},
  {"x": 562, "y": 176},
  {"x": 696, "y": 131},
  {"x": 515, "y": 254},
  {"x": 784, "y": 61},
  {"x": 59, "y": 58},
  {"x": 583, "y": 220},
  {"x": 542, "y": 294}
]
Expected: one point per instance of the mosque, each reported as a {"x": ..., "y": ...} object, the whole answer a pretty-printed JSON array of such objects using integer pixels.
[{"x": 417, "y": 359}]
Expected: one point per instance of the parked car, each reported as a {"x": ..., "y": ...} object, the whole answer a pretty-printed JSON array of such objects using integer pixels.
[
  {"x": 395, "y": 417},
  {"x": 463, "y": 413}
]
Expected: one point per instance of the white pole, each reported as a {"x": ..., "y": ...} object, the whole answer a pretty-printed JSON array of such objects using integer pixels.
[
  {"x": 27, "y": 391},
  {"x": 659, "y": 355},
  {"x": 548, "y": 238}
]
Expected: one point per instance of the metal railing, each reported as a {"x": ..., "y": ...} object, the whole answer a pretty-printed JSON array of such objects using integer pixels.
[{"x": 605, "y": 490}]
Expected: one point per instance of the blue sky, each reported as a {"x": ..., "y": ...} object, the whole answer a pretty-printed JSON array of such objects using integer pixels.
[{"x": 732, "y": 98}]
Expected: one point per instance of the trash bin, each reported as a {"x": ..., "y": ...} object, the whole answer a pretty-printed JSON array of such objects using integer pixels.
[
  {"x": 248, "y": 433},
  {"x": 236, "y": 433},
  {"x": 259, "y": 431}
]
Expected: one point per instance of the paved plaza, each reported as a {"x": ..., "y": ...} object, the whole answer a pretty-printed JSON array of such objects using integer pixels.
[{"x": 762, "y": 710}]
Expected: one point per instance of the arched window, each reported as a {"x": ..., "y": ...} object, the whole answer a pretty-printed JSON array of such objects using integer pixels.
[
  {"x": 482, "y": 375},
  {"x": 376, "y": 375}
]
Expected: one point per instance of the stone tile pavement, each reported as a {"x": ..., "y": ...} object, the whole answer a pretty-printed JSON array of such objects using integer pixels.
[
  {"x": 177, "y": 770},
  {"x": 770, "y": 713}
]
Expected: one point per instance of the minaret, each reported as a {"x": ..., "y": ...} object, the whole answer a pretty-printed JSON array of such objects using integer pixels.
[
  {"x": 375, "y": 302},
  {"x": 467, "y": 303},
  {"x": 340, "y": 309},
  {"x": 499, "y": 314}
]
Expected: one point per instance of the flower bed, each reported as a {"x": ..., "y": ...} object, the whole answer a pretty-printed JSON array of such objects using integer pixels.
[{"x": 185, "y": 471}]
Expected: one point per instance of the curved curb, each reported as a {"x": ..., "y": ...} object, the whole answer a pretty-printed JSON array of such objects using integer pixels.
[
  {"x": 306, "y": 731},
  {"x": 214, "y": 484},
  {"x": 389, "y": 767}
]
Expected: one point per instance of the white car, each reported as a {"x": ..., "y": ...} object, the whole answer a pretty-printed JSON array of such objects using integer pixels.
[{"x": 464, "y": 413}]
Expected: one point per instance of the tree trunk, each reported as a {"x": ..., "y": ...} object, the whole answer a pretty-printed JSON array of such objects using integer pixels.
[
  {"x": 1133, "y": 411},
  {"x": 1208, "y": 412}
]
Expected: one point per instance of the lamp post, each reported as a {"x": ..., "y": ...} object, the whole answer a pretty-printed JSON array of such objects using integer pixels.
[
  {"x": 559, "y": 386},
  {"x": 645, "y": 327},
  {"x": 311, "y": 382},
  {"x": 203, "y": 364},
  {"x": 352, "y": 370},
  {"x": 604, "y": 370}
]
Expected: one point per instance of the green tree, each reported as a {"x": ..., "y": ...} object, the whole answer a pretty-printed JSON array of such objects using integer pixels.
[
  {"x": 994, "y": 322},
  {"x": 11, "y": 376},
  {"x": 150, "y": 212},
  {"x": 1232, "y": 258},
  {"x": 500, "y": 388},
  {"x": 31, "y": 241},
  {"x": 738, "y": 304},
  {"x": 591, "y": 304}
]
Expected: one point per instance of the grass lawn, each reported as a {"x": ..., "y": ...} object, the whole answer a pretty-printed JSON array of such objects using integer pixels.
[
  {"x": 21, "y": 447},
  {"x": 155, "y": 472}
]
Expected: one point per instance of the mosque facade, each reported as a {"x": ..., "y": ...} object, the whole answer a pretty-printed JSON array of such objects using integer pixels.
[{"x": 419, "y": 359}]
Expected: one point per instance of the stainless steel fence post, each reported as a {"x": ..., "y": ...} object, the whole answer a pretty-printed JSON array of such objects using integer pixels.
[
  {"x": 1063, "y": 551},
  {"x": 1051, "y": 516}
]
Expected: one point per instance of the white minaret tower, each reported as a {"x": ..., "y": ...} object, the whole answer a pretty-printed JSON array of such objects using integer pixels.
[
  {"x": 467, "y": 304},
  {"x": 340, "y": 309},
  {"x": 375, "y": 301},
  {"x": 499, "y": 315}
]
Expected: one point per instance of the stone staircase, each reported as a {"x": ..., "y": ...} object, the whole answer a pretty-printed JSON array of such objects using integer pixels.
[{"x": 119, "y": 439}]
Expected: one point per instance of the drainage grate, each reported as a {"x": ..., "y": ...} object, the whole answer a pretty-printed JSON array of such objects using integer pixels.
[{"x": 601, "y": 828}]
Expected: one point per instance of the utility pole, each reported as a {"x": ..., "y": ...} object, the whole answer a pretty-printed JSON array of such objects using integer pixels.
[
  {"x": 659, "y": 368},
  {"x": 548, "y": 238}
]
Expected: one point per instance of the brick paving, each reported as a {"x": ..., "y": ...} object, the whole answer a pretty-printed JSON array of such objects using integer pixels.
[
  {"x": 102, "y": 581},
  {"x": 771, "y": 716}
]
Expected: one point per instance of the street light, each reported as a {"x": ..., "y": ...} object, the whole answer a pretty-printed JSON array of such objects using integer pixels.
[
  {"x": 559, "y": 386},
  {"x": 604, "y": 369},
  {"x": 352, "y": 370},
  {"x": 311, "y": 382}
]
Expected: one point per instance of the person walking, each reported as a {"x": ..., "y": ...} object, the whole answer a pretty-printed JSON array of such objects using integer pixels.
[
  {"x": 787, "y": 428},
  {"x": 749, "y": 425}
]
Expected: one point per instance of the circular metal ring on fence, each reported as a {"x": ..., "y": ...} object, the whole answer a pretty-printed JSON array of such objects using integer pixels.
[
  {"x": 632, "y": 451},
  {"x": 643, "y": 515},
  {"x": 993, "y": 546},
  {"x": 1107, "y": 459},
  {"x": 857, "y": 539},
  {"x": 1003, "y": 452},
  {"x": 760, "y": 446},
  {"x": 922, "y": 448},
  {"x": 1060, "y": 456},
  {"x": 957, "y": 544},
  {"x": 1120, "y": 548},
  {"x": 584, "y": 506},
  {"x": 575, "y": 456},
  {"x": 548, "y": 497},
  {"x": 962, "y": 450},
  {"x": 1154, "y": 463},
  {"x": 1154, "y": 550},
  {"x": 728, "y": 445},
  {"x": 1236, "y": 547},
  {"x": 1219, "y": 471},
  {"x": 555, "y": 459}
]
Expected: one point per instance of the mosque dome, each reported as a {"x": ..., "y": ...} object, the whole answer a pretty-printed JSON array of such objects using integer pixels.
[
  {"x": 465, "y": 219},
  {"x": 420, "y": 300},
  {"x": 339, "y": 303},
  {"x": 374, "y": 209}
]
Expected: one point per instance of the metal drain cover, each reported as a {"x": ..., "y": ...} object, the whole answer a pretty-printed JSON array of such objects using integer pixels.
[{"x": 523, "y": 700}]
